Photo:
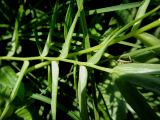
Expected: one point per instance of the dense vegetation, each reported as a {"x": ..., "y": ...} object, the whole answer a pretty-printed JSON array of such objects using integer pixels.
[{"x": 75, "y": 59}]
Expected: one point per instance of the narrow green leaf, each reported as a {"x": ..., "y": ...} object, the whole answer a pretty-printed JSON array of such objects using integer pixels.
[
  {"x": 149, "y": 40},
  {"x": 75, "y": 76},
  {"x": 138, "y": 68},
  {"x": 55, "y": 75},
  {"x": 36, "y": 34},
  {"x": 84, "y": 26},
  {"x": 68, "y": 19},
  {"x": 20, "y": 77},
  {"x": 129, "y": 44},
  {"x": 83, "y": 76},
  {"x": 23, "y": 113},
  {"x": 114, "y": 8},
  {"x": 140, "y": 52},
  {"x": 52, "y": 26},
  {"x": 49, "y": 78},
  {"x": 66, "y": 45},
  {"x": 4, "y": 26},
  {"x": 15, "y": 37},
  {"x": 140, "y": 13}
]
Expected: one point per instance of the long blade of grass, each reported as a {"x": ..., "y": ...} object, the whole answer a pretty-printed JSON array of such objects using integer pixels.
[
  {"x": 52, "y": 26},
  {"x": 84, "y": 26},
  {"x": 140, "y": 52},
  {"x": 20, "y": 77},
  {"x": 87, "y": 45},
  {"x": 115, "y": 8},
  {"x": 15, "y": 89},
  {"x": 55, "y": 75},
  {"x": 66, "y": 45},
  {"x": 83, "y": 74},
  {"x": 129, "y": 44},
  {"x": 36, "y": 34},
  {"x": 137, "y": 68},
  {"x": 75, "y": 77},
  {"x": 140, "y": 13},
  {"x": 15, "y": 37},
  {"x": 49, "y": 78},
  {"x": 68, "y": 19},
  {"x": 149, "y": 40}
]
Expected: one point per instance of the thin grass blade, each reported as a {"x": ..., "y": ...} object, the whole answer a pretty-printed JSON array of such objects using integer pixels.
[
  {"x": 83, "y": 74},
  {"x": 55, "y": 75},
  {"x": 137, "y": 68},
  {"x": 66, "y": 45},
  {"x": 141, "y": 11},
  {"x": 140, "y": 52},
  {"x": 149, "y": 40},
  {"x": 84, "y": 26},
  {"x": 36, "y": 34},
  {"x": 15, "y": 37},
  {"x": 49, "y": 78},
  {"x": 68, "y": 19},
  {"x": 114, "y": 8},
  {"x": 52, "y": 26}
]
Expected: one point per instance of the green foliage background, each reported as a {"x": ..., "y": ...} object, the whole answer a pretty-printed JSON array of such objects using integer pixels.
[{"x": 79, "y": 59}]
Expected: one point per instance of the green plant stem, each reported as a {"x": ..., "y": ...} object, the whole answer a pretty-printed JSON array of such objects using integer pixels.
[{"x": 109, "y": 70}]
